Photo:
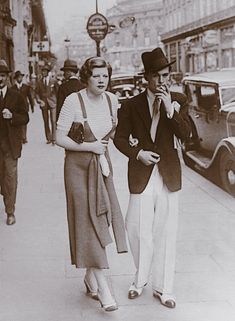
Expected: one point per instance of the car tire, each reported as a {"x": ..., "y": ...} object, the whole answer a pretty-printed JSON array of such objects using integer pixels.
[{"x": 227, "y": 172}]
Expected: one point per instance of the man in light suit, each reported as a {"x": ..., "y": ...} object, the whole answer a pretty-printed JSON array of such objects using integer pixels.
[
  {"x": 13, "y": 115},
  {"x": 46, "y": 92},
  {"x": 148, "y": 125},
  {"x": 26, "y": 91},
  {"x": 71, "y": 83}
]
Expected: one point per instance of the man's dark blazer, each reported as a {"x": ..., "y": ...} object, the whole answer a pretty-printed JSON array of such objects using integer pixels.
[
  {"x": 68, "y": 87},
  {"x": 26, "y": 92},
  {"x": 15, "y": 102},
  {"x": 134, "y": 119},
  {"x": 47, "y": 93}
]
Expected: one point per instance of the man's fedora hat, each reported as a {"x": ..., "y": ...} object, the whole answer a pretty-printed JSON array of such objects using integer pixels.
[
  {"x": 155, "y": 60},
  {"x": 18, "y": 73},
  {"x": 4, "y": 66},
  {"x": 70, "y": 65}
]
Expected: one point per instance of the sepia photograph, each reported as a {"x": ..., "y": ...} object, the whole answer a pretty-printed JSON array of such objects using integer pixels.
[{"x": 117, "y": 160}]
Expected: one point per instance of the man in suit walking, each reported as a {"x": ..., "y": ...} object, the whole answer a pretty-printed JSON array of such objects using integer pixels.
[
  {"x": 71, "y": 83},
  {"x": 13, "y": 115},
  {"x": 148, "y": 125},
  {"x": 46, "y": 92},
  {"x": 26, "y": 92}
]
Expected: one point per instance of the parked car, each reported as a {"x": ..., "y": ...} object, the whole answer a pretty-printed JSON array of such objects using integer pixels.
[
  {"x": 211, "y": 146},
  {"x": 125, "y": 85}
]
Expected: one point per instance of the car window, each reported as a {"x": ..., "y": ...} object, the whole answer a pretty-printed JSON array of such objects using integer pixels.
[
  {"x": 228, "y": 95},
  {"x": 202, "y": 96},
  {"x": 190, "y": 90},
  {"x": 207, "y": 99}
]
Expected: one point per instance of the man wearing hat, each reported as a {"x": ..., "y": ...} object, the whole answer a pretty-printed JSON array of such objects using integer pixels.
[
  {"x": 70, "y": 85},
  {"x": 148, "y": 125},
  {"x": 46, "y": 92},
  {"x": 26, "y": 92},
  {"x": 13, "y": 115}
]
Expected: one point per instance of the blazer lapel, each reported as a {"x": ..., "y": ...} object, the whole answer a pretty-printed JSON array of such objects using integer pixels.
[{"x": 142, "y": 108}]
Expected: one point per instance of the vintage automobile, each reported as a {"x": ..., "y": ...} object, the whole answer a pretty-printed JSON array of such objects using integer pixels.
[
  {"x": 125, "y": 85},
  {"x": 211, "y": 147}
]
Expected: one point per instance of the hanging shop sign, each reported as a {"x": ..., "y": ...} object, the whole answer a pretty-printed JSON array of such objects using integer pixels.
[{"x": 40, "y": 46}]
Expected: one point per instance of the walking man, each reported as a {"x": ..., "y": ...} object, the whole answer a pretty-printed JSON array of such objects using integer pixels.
[
  {"x": 71, "y": 83},
  {"x": 46, "y": 92},
  {"x": 26, "y": 92},
  {"x": 13, "y": 115},
  {"x": 148, "y": 125}
]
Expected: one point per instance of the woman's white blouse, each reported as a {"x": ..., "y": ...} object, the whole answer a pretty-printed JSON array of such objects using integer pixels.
[{"x": 98, "y": 115}]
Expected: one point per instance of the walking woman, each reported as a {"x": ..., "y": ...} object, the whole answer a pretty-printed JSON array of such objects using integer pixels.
[{"x": 92, "y": 204}]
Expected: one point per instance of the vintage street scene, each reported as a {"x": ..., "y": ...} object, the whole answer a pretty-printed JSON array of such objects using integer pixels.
[{"x": 117, "y": 160}]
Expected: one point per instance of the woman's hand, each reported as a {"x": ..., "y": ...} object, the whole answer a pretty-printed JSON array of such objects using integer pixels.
[{"x": 99, "y": 147}]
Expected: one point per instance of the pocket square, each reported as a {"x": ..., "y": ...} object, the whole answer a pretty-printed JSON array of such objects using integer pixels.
[{"x": 133, "y": 141}]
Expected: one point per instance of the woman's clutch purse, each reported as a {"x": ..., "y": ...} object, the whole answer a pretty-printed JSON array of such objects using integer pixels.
[{"x": 76, "y": 132}]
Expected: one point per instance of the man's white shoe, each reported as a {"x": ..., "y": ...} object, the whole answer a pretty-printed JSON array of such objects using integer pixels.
[
  {"x": 135, "y": 292},
  {"x": 166, "y": 299}
]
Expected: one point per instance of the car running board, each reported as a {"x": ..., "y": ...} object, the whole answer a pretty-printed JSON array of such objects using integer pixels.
[{"x": 199, "y": 159}]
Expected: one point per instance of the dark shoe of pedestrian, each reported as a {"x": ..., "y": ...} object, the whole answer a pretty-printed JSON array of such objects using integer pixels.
[
  {"x": 165, "y": 299},
  {"x": 135, "y": 292},
  {"x": 25, "y": 141},
  {"x": 53, "y": 142},
  {"x": 11, "y": 219},
  {"x": 48, "y": 141}
]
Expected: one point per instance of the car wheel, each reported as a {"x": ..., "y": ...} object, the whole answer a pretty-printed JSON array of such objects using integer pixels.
[{"x": 227, "y": 172}]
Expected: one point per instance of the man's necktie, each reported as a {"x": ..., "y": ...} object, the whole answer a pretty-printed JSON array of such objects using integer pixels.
[
  {"x": 155, "y": 118},
  {"x": 1, "y": 99}
]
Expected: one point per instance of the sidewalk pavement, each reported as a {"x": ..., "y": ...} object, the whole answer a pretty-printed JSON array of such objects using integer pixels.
[{"x": 37, "y": 282}]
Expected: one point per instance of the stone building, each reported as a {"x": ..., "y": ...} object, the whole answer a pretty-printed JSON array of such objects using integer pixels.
[
  {"x": 136, "y": 27},
  {"x": 199, "y": 34},
  {"x": 31, "y": 26},
  {"x": 21, "y": 23},
  {"x": 7, "y": 23}
]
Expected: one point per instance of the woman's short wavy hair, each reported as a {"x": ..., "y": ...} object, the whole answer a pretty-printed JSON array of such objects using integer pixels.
[{"x": 91, "y": 63}]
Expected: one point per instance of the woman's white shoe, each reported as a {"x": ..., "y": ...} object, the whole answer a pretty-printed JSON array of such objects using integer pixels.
[{"x": 108, "y": 307}]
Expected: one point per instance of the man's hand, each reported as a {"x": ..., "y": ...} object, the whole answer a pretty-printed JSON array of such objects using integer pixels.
[
  {"x": 6, "y": 114},
  {"x": 41, "y": 103},
  {"x": 164, "y": 95},
  {"x": 148, "y": 157}
]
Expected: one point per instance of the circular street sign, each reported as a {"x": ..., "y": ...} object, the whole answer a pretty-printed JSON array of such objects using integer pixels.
[{"x": 97, "y": 26}]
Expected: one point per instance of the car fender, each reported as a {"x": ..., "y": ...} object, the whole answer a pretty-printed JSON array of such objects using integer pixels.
[{"x": 227, "y": 143}]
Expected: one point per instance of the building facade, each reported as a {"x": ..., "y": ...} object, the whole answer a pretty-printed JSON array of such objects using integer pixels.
[
  {"x": 137, "y": 26},
  {"x": 7, "y": 24},
  {"x": 21, "y": 11},
  {"x": 199, "y": 34},
  {"x": 21, "y": 23}
]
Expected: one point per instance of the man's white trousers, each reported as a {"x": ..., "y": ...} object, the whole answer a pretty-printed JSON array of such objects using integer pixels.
[{"x": 151, "y": 224}]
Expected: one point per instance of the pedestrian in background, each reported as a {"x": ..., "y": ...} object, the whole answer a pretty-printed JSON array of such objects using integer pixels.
[
  {"x": 71, "y": 83},
  {"x": 13, "y": 115},
  {"x": 26, "y": 91},
  {"x": 46, "y": 92},
  {"x": 152, "y": 119},
  {"x": 92, "y": 204}
]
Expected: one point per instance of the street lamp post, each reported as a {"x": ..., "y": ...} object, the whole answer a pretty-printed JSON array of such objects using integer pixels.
[
  {"x": 97, "y": 41},
  {"x": 67, "y": 42}
]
